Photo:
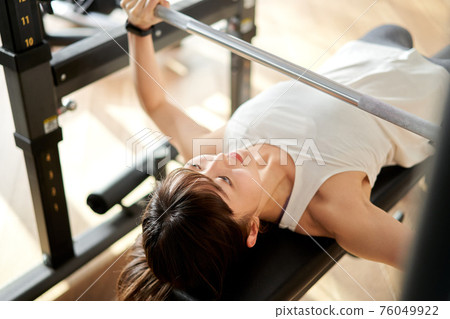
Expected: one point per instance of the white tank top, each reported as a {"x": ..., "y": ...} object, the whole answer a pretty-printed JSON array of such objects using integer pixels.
[{"x": 325, "y": 136}]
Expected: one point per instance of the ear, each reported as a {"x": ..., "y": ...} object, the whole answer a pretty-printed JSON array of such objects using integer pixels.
[{"x": 253, "y": 230}]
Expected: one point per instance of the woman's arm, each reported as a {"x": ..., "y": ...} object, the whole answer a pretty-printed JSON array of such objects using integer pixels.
[
  {"x": 370, "y": 233},
  {"x": 343, "y": 208},
  {"x": 171, "y": 120}
]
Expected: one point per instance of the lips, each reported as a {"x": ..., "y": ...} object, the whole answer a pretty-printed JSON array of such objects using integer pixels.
[{"x": 236, "y": 156}]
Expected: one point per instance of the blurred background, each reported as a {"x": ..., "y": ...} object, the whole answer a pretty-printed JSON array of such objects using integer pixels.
[{"x": 196, "y": 75}]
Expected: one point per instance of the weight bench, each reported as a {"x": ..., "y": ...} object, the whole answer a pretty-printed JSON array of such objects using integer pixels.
[{"x": 283, "y": 265}]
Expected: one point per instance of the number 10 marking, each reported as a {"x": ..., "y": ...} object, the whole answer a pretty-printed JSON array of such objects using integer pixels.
[{"x": 29, "y": 42}]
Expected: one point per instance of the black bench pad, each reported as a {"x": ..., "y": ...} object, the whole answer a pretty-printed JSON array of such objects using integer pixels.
[{"x": 283, "y": 265}]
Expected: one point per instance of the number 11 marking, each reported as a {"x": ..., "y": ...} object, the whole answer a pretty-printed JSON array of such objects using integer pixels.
[{"x": 25, "y": 20}]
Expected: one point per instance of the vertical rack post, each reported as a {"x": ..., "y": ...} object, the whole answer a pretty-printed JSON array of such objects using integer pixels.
[
  {"x": 427, "y": 277},
  {"x": 243, "y": 27},
  {"x": 26, "y": 58}
]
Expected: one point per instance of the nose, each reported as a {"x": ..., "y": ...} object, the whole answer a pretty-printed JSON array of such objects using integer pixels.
[{"x": 218, "y": 165}]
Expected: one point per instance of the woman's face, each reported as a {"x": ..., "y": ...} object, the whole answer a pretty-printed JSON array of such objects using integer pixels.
[{"x": 240, "y": 183}]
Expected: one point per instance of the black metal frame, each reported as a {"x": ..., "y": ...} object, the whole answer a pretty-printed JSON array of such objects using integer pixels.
[
  {"x": 37, "y": 80},
  {"x": 428, "y": 276}
]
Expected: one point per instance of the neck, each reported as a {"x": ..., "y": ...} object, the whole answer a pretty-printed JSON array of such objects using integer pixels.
[{"x": 277, "y": 181}]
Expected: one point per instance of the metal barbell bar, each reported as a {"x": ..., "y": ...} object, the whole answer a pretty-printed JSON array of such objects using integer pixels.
[{"x": 365, "y": 102}]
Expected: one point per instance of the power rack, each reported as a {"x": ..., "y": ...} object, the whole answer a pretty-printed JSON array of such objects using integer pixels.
[{"x": 37, "y": 80}]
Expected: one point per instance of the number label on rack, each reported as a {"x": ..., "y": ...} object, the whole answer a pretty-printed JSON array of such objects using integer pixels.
[
  {"x": 29, "y": 42},
  {"x": 25, "y": 20},
  {"x": 23, "y": 16}
]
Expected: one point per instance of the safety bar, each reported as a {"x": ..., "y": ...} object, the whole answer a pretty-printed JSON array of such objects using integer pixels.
[
  {"x": 101, "y": 201},
  {"x": 367, "y": 103}
]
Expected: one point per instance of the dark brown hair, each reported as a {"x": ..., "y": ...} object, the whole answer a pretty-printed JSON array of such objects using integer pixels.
[{"x": 189, "y": 239}]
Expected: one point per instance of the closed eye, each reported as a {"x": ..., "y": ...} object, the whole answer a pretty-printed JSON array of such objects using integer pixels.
[
  {"x": 226, "y": 179},
  {"x": 195, "y": 165}
]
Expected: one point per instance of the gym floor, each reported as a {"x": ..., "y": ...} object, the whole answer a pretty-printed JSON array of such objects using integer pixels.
[{"x": 196, "y": 76}]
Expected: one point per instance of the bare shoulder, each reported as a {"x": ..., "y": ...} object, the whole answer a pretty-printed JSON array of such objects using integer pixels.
[
  {"x": 344, "y": 185},
  {"x": 340, "y": 194}
]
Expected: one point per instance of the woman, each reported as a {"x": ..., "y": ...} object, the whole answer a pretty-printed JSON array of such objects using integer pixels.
[{"x": 291, "y": 155}]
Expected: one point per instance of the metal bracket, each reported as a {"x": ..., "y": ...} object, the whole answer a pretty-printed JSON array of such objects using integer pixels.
[{"x": 23, "y": 61}]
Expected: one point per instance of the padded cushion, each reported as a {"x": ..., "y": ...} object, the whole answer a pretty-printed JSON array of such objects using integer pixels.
[{"x": 283, "y": 265}]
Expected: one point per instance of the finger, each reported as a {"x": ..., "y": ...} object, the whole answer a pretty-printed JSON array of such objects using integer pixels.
[
  {"x": 139, "y": 6},
  {"x": 135, "y": 3},
  {"x": 165, "y": 3},
  {"x": 123, "y": 3},
  {"x": 142, "y": 13},
  {"x": 129, "y": 5},
  {"x": 153, "y": 4}
]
